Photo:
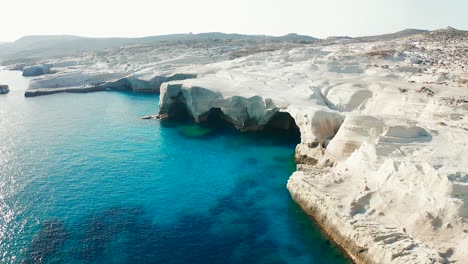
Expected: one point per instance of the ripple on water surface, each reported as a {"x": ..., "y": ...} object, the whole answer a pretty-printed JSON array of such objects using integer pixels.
[{"x": 84, "y": 180}]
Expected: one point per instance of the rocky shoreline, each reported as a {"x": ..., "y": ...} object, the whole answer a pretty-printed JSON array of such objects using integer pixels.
[
  {"x": 382, "y": 162},
  {"x": 365, "y": 242},
  {"x": 84, "y": 82},
  {"x": 367, "y": 172}
]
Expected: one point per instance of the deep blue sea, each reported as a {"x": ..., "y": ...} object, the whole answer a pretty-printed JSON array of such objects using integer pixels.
[{"x": 84, "y": 180}]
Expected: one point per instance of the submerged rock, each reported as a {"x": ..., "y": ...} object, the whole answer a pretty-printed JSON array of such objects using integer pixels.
[
  {"x": 4, "y": 89},
  {"x": 195, "y": 131},
  {"x": 47, "y": 242}
]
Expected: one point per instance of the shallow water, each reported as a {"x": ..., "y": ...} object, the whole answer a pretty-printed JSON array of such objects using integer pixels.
[{"x": 84, "y": 180}]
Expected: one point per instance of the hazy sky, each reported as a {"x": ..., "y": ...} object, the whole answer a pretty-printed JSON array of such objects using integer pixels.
[{"x": 132, "y": 18}]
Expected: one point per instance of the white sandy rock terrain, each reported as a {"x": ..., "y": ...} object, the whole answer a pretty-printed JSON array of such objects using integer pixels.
[
  {"x": 139, "y": 67},
  {"x": 382, "y": 159},
  {"x": 383, "y": 137}
]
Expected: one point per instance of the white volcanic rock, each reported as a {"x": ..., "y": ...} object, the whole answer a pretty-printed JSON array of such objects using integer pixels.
[
  {"x": 82, "y": 81},
  {"x": 139, "y": 68},
  {"x": 384, "y": 123},
  {"x": 355, "y": 130},
  {"x": 324, "y": 195},
  {"x": 346, "y": 97},
  {"x": 390, "y": 176}
]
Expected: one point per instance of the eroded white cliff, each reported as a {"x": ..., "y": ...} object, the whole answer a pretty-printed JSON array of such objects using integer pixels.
[{"x": 383, "y": 164}]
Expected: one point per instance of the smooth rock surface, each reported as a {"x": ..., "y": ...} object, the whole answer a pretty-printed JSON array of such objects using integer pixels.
[
  {"x": 388, "y": 181},
  {"x": 140, "y": 67}
]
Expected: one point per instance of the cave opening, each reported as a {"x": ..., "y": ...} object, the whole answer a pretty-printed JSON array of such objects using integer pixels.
[
  {"x": 283, "y": 127},
  {"x": 216, "y": 119},
  {"x": 178, "y": 110},
  {"x": 280, "y": 129}
]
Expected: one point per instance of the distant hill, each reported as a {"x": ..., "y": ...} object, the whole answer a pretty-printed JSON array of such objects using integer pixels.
[
  {"x": 61, "y": 45},
  {"x": 449, "y": 30},
  {"x": 43, "y": 46},
  {"x": 30, "y": 48},
  {"x": 446, "y": 29},
  {"x": 296, "y": 37},
  {"x": 337, "y": 37},
  {"x": 399, "y": 34}
]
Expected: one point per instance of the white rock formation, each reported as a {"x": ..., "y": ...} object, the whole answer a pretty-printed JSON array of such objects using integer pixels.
[
  {"x": 382, "y": 159},
  {"x": 383, "y": 140},
  {"x": 140, "y": 68},
  {"x": 83, "y": 81}
]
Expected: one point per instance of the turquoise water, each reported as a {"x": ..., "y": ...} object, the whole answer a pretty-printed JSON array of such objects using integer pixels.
[{"x": 84, "y": 180}]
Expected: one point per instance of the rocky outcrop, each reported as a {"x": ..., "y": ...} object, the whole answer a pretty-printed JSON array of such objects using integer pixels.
[
  {"x": 246, "y": 114},
  {"x": 146, "y": 86},
  {"x": 346, "y": 206},
  {"x": 249, "y": 113},
  {"x": 355, "y": 130},
  {"x": 45, "y": 91},
  {"x": 382, "y": 155},
  {"x": 365, "y": 241},
  {"x": 37, "y": 70},
  {"x": 86, "y": 82},
  {"x": 376, "y": 168},
  {"x": 4, "y": 89}
]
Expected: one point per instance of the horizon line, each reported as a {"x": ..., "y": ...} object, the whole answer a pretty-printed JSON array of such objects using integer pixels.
[{"x": 227, "y": 33}]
